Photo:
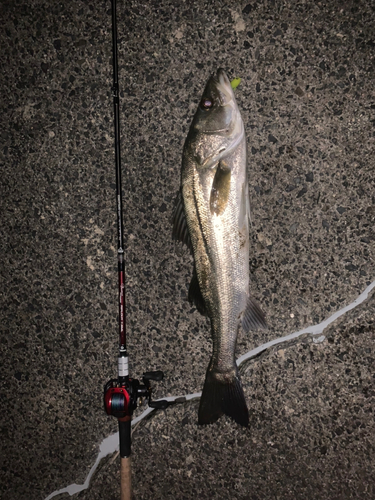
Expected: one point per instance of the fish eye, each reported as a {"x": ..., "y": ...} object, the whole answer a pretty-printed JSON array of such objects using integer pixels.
[{"x": 206, "y": 103}]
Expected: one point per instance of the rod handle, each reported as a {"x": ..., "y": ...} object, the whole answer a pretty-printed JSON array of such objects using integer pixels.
[{"x": 125, "y": 479}]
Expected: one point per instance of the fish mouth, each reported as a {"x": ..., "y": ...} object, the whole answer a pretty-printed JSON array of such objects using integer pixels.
[
  {"x": 222, "y": 77},
  {"x": 222, "y": 83}
]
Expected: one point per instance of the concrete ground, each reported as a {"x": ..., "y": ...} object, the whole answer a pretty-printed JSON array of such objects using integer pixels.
[{"x": 308, "y": 104}]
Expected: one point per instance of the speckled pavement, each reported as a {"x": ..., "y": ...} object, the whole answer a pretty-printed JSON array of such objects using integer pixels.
[{"x": 308, "y": 103}]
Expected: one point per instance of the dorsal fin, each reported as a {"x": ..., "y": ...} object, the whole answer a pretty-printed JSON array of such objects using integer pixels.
[{"x": 180, "y": 228}]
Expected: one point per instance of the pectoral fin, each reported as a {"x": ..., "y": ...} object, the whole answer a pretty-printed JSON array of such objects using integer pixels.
[{"x": 220, "y": 189}]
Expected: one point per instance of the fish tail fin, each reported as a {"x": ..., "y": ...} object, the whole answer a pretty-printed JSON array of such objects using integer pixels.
[{"x": 223, "y": 394}]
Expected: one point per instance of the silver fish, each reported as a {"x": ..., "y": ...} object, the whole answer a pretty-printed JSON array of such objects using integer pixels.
[{"x": 212, "y": 218}]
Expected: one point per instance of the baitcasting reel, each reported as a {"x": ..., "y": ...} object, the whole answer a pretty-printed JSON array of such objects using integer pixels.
[{"x": 120, "y": 398}]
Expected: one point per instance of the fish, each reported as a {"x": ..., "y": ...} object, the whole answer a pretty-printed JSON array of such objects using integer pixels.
[{"x": 211, "y": 217}]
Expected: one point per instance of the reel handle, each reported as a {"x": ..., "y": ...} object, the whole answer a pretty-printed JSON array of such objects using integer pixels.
[{"x": 157, "y": 375}]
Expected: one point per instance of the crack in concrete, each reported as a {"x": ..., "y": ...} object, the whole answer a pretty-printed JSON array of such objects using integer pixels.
[
  {"x": 312, "y": 330},
  {"x": 111, "y": 443}
]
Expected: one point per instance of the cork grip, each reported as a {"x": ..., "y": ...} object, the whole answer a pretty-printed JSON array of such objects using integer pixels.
[{"x": 125, "y": 479}]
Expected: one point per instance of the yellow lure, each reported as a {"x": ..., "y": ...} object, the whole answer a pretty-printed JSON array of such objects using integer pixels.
[{"x": 235, "y": 83}]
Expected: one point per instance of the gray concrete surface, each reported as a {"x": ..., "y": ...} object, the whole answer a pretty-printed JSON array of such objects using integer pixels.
[{"x": 308, "y": 103}]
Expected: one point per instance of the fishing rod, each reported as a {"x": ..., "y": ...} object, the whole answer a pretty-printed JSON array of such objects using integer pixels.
[{"x": 121, "y": 394}]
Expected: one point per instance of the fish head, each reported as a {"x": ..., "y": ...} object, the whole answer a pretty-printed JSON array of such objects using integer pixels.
[{"x": 217, "y": 127}]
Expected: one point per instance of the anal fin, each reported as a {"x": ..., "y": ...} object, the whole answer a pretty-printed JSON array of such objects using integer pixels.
[{"x": 253, "y": 318}]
